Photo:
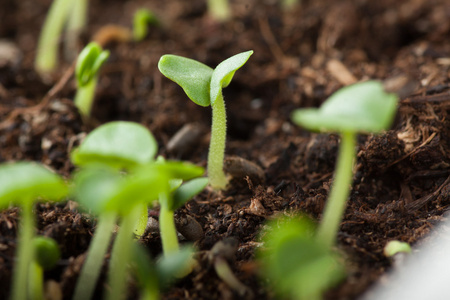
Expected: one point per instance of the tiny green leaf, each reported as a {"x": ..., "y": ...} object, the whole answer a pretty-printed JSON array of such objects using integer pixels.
[
  {"x": 394, "y": 247},
  {"x": 89, "y": 61},
  {"x": 118, "y": 144},
  {"x": 362, "y": 107},
  {"x": 171, "y": 265},
  {"x": 141, "y": 19},
  {"x": 193, "y": 76},
  {"x": 47, "y": 252},
  {"x": 224, "y": 72},
  {"x": 187, "y": 191},
  {"x": 27, "y": 181}
]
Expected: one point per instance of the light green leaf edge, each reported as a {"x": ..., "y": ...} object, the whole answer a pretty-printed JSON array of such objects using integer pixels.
[
  {"x": 28, "y": 181},
  {"x": 193, "y": 76},
  {"x": 118, "y": 144},
  {"x": 224, "y": 72},
  {"x": 361, "y": 107},
  {"x": 187, "y": 191},
  {"x": 89, "y": 61}
]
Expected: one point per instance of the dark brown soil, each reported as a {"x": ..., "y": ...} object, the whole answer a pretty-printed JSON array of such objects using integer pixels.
[{"x": 300, "y": 57}]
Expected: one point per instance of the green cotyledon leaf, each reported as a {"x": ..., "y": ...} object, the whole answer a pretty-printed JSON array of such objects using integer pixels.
[
  {"x": 361, "y": 107},
  {"x": 193, "y": 76},
  {"x": 224, "y": 72}
]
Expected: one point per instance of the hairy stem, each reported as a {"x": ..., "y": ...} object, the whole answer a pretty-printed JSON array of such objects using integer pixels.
[
  {"x": 95, "y": 257},
  {"x": 217, "y": 178},
  {"x": 337, "y": 200}
]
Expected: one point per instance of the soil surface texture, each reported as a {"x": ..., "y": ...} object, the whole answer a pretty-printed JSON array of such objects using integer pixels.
[{"x": 301, "y": 56}]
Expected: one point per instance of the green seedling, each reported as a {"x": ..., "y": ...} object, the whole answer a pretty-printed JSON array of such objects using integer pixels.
[
  {"x": 394, "y": 247},
  {"x": 203, "y": 86},
  {"x": 22, "y": 184},
  {"x": 46, "y": 255},
  {"x": 118, "y": 145},
  {"x": 362, "y": 107},
  {"x": 219, "y": 10},
  {"x": 62, "y": 12},
  {"x": 289, "y": 4},
  {"x": 143, "y": 18},
  {"x": 87, "y": 68},
  {"x": 155, "y": 276},
  {"x": 295, "y": 262},
  {"x": 47, "y": 50}
]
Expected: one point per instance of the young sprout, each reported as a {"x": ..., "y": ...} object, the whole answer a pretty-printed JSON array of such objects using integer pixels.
[
  {"x": 22, "y": 184},
  {"x": 142, "y": 18},
  {"x": 219, "y": 10},
  {"x": 47, "y": 49},
  {"x": 75, "y": 24},
  {"x": 394, "y": 247},
  {"x": 296, "y": 263},
  {"x": 203, "y": 86},
  {"x": 362, "y": 107},
  {"x": 118, "y": 145},
  {"x": 46, "y": 256},
  {"x": 88, "y": 65}
]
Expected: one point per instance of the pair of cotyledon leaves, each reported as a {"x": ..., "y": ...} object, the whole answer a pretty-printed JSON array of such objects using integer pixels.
[
  {"x": 89, "y": 61},
  {"x": 202, "y": 84},
  {"x": 129, "y": 146},
  {"x": 361, "y": 107}
]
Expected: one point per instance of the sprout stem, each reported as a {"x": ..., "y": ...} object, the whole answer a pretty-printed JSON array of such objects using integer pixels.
[
  {"x": 120, "y": 257},
  {"x": 24, "y": 253},
  {"x": 47, "y": 51},
  {"x": 217, "y": 178},
  {"x": 95, "y": 257},
  {"x": 36, "y": 281},
  {"x": 75, "y": 24},
  {"x": 85, "y": 97},
  {"x": 337, "y": 200},
  {"x": 167, "y": 226}
]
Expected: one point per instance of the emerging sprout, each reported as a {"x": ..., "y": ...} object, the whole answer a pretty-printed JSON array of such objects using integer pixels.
[
  {"x": 46, "y": 256},
  {"x": 219, "y": 10},
  {"x": 142, "y": 18},
  {"x": 203, "y": 86},
  {"x": 362, "y": 107},
  {"x": 22, "y": 184},
  {"x": 88, "y": 65},
  {"x": 394, "y": 247},
  {"x": 296, "y": 263}
]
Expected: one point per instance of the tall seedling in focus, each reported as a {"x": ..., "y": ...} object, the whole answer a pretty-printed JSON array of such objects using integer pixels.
[{"x": 203, "y": 86}]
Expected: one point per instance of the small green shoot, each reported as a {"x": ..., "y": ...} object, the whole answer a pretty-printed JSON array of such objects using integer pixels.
[
  {"x": 75, "y": 24},
  {"x": 142, "y": 18},
  {"x": 87, "y": 68},
  {"x": 394, "y": 247},
  {"x": 22, "y": 184},
  {"x": 219, "y": 10},
  {"x": 362, "y": 107},
  {"x": 203, "y": 86},
  {"x": 47, "y": 49},
  {"x": 119, "y": 145},
  {"x": 46, "y": 256},
  {"x": 295, "y": 262}
]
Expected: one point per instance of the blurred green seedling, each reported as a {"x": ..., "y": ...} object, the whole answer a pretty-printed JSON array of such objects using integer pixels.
[
  {"x": 62, "y": 12},
  {"x": 24, "y": 183},
  {"x": 203, "y": 86},
  {"x": 297, "y": 265},
  {"x": 155, "y": 276},
  {"x": 141, "y": 20},
  {"x": 360, "y": 108},
  {"x": 394, "y": 247},
  {"x": 219, "y": 10},
  {"x": 46, "y": 255},
  {"x": 118, "y": 145},
  {"x": 89, "y": 61}
]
